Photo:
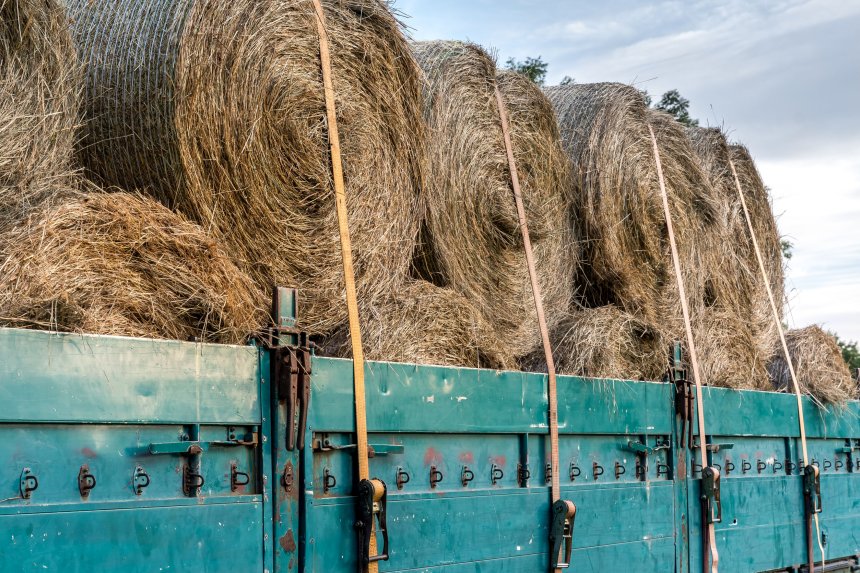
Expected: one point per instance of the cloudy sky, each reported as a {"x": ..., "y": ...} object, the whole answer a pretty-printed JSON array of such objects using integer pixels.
[{"x": 781, "y": 76}]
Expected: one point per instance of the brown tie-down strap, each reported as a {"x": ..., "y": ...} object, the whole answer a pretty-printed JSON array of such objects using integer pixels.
[
  {"x": 797, "y": 393},
  {"x": 348, "y": 272},
  {"x": 552, "y": 392},
  {"x": 694, "y": 359}
]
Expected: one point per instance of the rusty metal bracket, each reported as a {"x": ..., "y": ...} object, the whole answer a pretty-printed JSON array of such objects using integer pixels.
[
  {"x": 28, "y": 483},
  {"x": 291, "y": 373},
  {"x": 86, "y": 481}
]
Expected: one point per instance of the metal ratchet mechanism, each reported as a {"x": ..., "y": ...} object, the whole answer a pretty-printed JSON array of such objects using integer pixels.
[
  {"x": 812, "y": 505},
  {"x": 561, "y": 532},
  {"x": 372, "y": 502}
]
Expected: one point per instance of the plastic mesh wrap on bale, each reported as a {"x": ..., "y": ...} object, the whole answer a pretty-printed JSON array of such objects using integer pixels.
[
  {"x": 471, "y": 240},
  {"x": 217, "y": 108}
]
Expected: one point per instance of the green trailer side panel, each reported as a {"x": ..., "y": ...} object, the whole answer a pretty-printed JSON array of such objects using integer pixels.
[
  {"x": 76, "y": 378},
  {"x": 410, "y": 398},
  {"x": 212, "y": 538},
  {"x": 451, "y": 421}
]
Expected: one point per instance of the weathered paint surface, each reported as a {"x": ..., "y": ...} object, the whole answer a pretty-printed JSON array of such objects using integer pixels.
[{"x": 112, "y": 404}]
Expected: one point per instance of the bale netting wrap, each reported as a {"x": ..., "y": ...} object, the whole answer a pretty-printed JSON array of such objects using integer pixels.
[
  {"x": 423, "y": 324},
  {"x": 122, "y": 264},
  {"x": 605, "y": 342},
  {"x": 471, "y": 239},
  {"x": 39, "y": 96},
  {"x": 817, "y": 359},
  {"x": 617, "y": 200},
  {"x": 218, "y": 109}
]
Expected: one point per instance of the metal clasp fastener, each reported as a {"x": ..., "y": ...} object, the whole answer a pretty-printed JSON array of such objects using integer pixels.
[
  {"x": 86, "y": 481},
  {"x": 711, "y": 504},
  {"x": 561, "y": 532}
]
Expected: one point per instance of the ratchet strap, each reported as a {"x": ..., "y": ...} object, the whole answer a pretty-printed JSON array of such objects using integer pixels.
[
  {"x": 371, "y": 493},
  {"x": 797, "y": 393},
  {"x": 710, "y": 475},
  {"x": 562, "y": 512}
]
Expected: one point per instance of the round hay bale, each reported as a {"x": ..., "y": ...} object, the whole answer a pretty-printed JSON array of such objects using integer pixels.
[
  {"x": 39, "y": 96},
  {"x": 605, "y": 342},
  {"x": 217, "y": 107},
  {"x": 617, "y": 204},
  {"x": 122, "y": 264},
  {"x": 471, "y": 240},
  {"x": 817, "y": 359},
  {"x": 423, "y": 324},
  {"x": 734, "y": 283}
]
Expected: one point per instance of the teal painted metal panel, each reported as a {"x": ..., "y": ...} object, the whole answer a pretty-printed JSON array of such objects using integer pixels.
[
  {"x": 739, "y": 413},
  {"x": 209, "y": 539},
  {"x": 81, "y": 378},
  {"x": 483, "y": 401},
  {"x": 451, "y": 421}
]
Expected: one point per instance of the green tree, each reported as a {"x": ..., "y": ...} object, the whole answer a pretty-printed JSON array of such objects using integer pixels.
[
  {"x": 566, "y": 81},
  {"x": 787, "y": 248},
  {"x": 533, "y": 68},
  {"x": 850, "y": 352},
  {"x": 677, "y": 105}
]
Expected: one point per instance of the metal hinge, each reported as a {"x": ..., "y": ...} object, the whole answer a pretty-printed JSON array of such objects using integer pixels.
[{"x": 291, "y": 374}]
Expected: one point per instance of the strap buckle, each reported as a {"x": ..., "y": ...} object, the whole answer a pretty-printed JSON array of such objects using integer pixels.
[
  {"x": 371, "y": 509},
  {"x": 712, "y": 507},
  {"x": 812, "y": 489},
  {"x": 561, "y": 531}
]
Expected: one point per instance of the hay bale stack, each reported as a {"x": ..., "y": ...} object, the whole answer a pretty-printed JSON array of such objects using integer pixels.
[
  {"x": 118, "y": 263},
  {"x": 618, "y": 205},
  {"x": 605, "y": 342},
  {"x": 743, "y": 284},
  {"x": 217, "y": 108},
  {"x": 818, "y": 364},
  {"x": 471, "y": 240},
  {"x": 424, "y": 324},
  {"x": 39, "y": 95},
  {"x": 760, "y": 207}
]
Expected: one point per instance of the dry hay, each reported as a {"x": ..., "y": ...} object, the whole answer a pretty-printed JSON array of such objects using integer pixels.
[
  {"x": 217, "y": 108},
  {"x": 471, "y": 240},
  {"x": 821, "y": 371},
  {"x": 605, "y": 342},
  {"x": 735, "y": 278},
  {"x": 39, "y": 91},
  {"x": 118, "y": 263},
  {"x": 424, "y": 324},
  {"x": 618, "y": 205}
]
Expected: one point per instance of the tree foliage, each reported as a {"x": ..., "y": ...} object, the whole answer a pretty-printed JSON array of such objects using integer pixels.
[
  {"x": 787, "y": 248},
  {"x": 677, "y": 105},
  {"x": 850, "y": 352},
  {"x": 533, "y": 68}
]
